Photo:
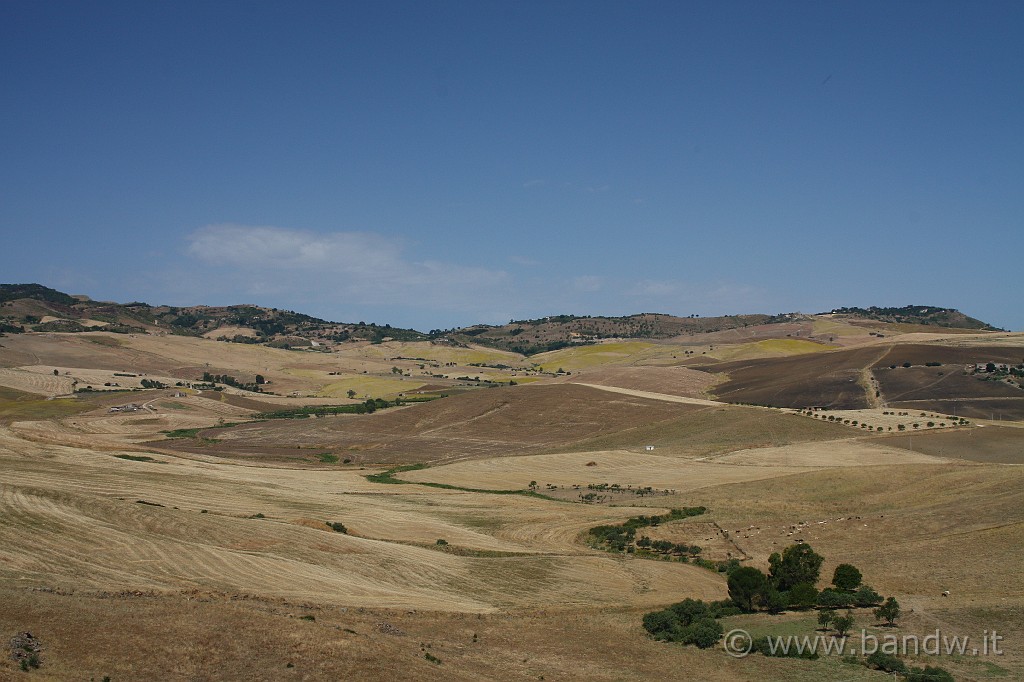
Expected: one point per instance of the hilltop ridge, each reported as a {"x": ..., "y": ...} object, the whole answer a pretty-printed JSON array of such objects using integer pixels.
[{"x": 35, "y": 307}]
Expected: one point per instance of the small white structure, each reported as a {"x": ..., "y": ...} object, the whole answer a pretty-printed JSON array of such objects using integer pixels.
[{"x": 649, "y": 448}]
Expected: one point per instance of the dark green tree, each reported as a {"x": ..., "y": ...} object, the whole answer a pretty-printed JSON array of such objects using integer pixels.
[
  {"x": 833, "y": 599},
  {"x": 866, "y": 596},
  {"x": 797, "y": 564},
  {"x": 803, "y": 596},
  {"x": 889, "y": 611},
  {"x": 825, "y": 618},
  {"x": 843, "y": 624},
  {"x": 846, "y": 577},
  {"x": 747, "y": 585},
  {"x": 774, "y": 601}
]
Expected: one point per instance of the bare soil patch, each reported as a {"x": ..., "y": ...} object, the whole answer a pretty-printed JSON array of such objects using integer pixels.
[
  {"x": 1011, "y": 409},
  {"x": 939, "y": 383},
  {"x": 487, "y": 423},
  {"x": 828, "y": 379},
  {"x": 680, "y": 381}
]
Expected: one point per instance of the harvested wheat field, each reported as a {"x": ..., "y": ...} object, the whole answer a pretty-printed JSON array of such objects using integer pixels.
[
  {"x": 583, "y": 468},
  {"x": 353, "y": 545}
]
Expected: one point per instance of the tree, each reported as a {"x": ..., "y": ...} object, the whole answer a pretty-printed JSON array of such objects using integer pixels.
[
  {"x": 846, "y": 577},
  {"x": 803, "y": 596},
  {"x": 56, "y": 372},
  {"x": 260, "y": 379},
  {"x": 833, "y": 599},
  {"x": 889, "y": 611},
  {"x": 825, "y": 618},
  {"x": 746, "y": 586},
  {"x": 797, "y": 564},
  {"x": 774, "y": 601},
  {"x": 843, "y": 624},
  {"x": 866, "y": 596}
]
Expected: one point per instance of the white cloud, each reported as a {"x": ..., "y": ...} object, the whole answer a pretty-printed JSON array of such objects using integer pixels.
[
  {"x": 281, "y": 249},
  {"x": 588, "y": 283},
  {"x": 369, "y": 267}
]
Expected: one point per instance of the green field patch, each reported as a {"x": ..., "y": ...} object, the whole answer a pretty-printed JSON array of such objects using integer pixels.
[
  {"x": 185, "y": 433},
  {"x": 576, "y": 358},
  {"x": 139, "y": 458},
  {"x": 108, "y": 341},
  {"x": 20, "y": 406}
]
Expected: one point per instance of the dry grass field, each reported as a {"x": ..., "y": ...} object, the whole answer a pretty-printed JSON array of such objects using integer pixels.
[
  {"x": 680, "y": 381},
  {"x": 209, "y": 555}
]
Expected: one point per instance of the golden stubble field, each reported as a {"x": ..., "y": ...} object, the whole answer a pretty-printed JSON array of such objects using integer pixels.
[{"x": 196, "y": 566}]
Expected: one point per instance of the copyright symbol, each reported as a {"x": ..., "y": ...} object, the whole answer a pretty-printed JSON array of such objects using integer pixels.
[{"x": 737, "y": 643}]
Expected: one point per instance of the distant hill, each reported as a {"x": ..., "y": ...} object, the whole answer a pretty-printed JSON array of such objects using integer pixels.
[
  {"x": 34, "y": 307},
  {"x": 559, "y": 331},
  {"x": 917, "y": 314}
]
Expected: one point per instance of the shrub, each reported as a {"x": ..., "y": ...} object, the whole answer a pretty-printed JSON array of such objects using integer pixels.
[
  {"x": 928, "y": 674},
  {"x": 885, "y": 662},
  {"x": 703, "y": 633},
  {"x": 661, "y": 624},
  {"x": 689, "y": 622},
  {"x": 337, "y": 527}
]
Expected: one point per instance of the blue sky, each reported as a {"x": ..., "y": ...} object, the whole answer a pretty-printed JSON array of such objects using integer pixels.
[{"x": 433, "y": 164}]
